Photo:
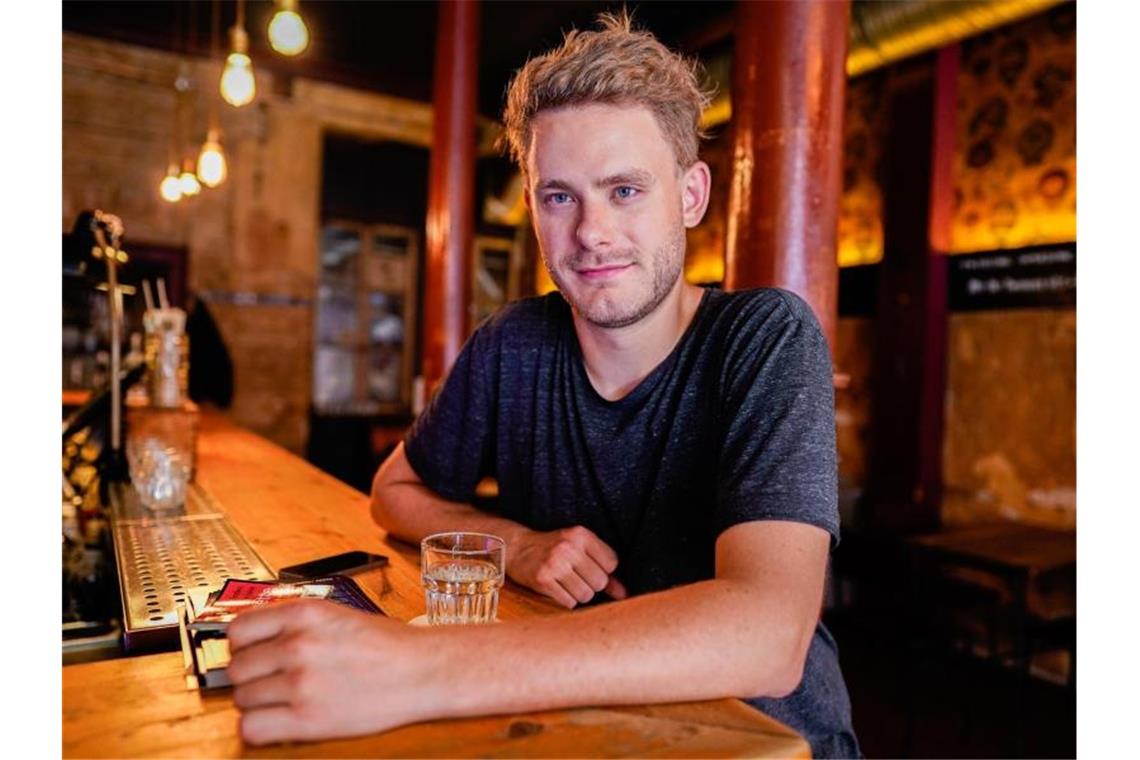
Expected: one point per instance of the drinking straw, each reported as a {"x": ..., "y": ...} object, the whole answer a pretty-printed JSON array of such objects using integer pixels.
[
  {"x": 162, "y": 294},
  {"x": 147, "y": 296}
]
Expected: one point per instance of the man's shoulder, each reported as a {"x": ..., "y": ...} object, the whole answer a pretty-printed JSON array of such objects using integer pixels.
[
  {"x": 757, "y": 312},
  {"x": 534, "y": 319}
]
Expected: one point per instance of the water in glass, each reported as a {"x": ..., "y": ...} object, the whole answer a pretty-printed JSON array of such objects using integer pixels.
[
  {"x": 462, "y": 591},
  {"x": 462, "y": 574}
]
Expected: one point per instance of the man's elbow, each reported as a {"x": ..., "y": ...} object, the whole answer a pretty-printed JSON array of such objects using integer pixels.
[
  {"x": 782, "y": 672},
  {"x": 786, "y": 679},
  {"x": 381, "y": 500}
]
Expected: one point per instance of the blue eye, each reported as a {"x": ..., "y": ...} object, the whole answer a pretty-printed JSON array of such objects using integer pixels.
[
  {"x": 558, "y": 199},
  {"x": 625, "y": 192}
]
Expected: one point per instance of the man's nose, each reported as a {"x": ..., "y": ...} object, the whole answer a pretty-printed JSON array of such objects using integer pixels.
[{"x": 595, "y": 225}]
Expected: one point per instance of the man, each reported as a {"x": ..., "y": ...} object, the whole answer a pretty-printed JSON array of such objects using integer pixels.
[{"x": 668, "y": 447}]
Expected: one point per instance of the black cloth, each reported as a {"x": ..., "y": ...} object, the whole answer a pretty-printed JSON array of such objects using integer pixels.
[
  {"x": 736, "y": 424},
  {"x": 211, "y": 369}
]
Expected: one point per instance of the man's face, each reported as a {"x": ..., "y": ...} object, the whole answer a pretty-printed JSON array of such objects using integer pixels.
[{"x": 606, "y": 197}]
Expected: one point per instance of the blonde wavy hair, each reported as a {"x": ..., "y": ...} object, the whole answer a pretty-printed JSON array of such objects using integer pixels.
[{"x": 615, "y": 65}]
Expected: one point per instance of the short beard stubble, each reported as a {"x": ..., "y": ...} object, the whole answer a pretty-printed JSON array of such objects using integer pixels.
[{"x": 603, "y": 312}]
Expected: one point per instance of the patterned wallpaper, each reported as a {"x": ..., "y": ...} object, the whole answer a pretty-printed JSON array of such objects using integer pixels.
[
  {"x": 860, "y": 238},
  {"x": 1015, "y": 143},
  {"x": 1016, "y": 146},
  {"x": 860, "y": 233},
  {"x": 1015, "y": 152}
]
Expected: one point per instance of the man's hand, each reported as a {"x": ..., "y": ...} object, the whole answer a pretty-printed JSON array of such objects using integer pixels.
[
  {"x": 568, "y": 565},
  {"x": 307, "y": 670}
]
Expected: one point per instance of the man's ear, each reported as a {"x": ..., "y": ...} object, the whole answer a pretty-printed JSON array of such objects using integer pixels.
[{"x": 696, "y": 185}]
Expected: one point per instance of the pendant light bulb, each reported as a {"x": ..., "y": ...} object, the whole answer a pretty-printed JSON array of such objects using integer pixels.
[
  {"x": 212, "y": 161},
  {"x": 287, "y": 31},
  {"x": 237, "y": 83},
  {"x": 171, "y": 187},
  {"x": 188, "y": 182}
]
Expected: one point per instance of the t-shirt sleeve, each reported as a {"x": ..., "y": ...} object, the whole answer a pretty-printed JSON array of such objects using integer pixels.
[
  {"x": 449, "y": 444},
  {"x": 777, "y": 458}
]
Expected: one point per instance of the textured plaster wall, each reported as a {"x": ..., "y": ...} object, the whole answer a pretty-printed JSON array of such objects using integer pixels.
[
  {"x": 1010, "y": 445},
  {"x": 1010, "y": 429}
]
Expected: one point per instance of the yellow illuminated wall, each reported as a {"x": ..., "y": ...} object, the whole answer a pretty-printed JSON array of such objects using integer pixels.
[
  {"x": 704, "y": 252},
  {"x": 1014, "y": 163},
  {"x": 860, "y": 235},
  {"x": 542, "y": 282},
  {"x": 1015, "y": 143}
]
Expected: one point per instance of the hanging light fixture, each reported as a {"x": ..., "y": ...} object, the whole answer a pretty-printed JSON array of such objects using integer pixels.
[
  {"x": 187, "y": 181},
  {"x": 287, "y": 31},
  {"x": 237, "y": 85},
  {"x": 211, "y": 158},
  {"x": 171, "y": 188},
  {"x": 212, "y": 161}
]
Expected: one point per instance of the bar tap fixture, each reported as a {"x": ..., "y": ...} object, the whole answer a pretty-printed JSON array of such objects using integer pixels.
[{"x": 107, "y": 230}]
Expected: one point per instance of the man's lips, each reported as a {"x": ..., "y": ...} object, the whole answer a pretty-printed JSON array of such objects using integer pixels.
[{"x": 603, "y": 272}]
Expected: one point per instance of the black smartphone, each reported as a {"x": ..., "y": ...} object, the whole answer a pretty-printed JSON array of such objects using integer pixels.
[{"x": 338, "y": 564}]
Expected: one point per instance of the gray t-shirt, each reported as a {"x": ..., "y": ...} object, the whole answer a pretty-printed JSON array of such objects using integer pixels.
[{"x": 736, "y": 424}]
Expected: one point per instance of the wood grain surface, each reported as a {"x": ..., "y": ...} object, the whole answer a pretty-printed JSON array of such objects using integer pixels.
[{"x": 291, "y": 512}]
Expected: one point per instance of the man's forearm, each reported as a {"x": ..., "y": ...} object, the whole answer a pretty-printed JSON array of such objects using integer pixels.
[
  {"x": 707, "y": 640},
  {"x": 411, "y": 511},
  {"x": 744, "y": 633},
  {"x": 569, "y": 565}
]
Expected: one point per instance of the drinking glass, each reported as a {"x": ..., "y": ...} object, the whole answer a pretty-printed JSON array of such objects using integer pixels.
[
  {"x": 462, "y": 574},
  {"x": 159, "y": 472},
  {"x": 167, "y": 363}
]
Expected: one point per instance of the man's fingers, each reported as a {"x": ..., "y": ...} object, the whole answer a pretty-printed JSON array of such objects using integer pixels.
[
  {"x": 254, "y": 625},
  {"x": 285, "y": 653},
  {"x": 615, "y": 589},
  {"x": 270, "y": 621},
  {"x": 271, "y": 724},
  {"x": 271, "y": 690},
  {"x": 576, "y": 586},
  {"x": 600, "y": 552},
  {"x": 594, "y": 576},
  {"x": 555, "y": 591},
  {"x": 257, "y": 661},
  {"x": 573, "y": 566}
]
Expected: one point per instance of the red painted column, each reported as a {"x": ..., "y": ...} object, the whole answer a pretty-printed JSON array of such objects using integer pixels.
[
  {"x": 788, "y": 83},
  {"x": 451, "y": 190}
]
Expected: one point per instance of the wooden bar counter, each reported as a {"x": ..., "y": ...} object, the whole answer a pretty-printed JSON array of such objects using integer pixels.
[{"x": 291, "y": 512}]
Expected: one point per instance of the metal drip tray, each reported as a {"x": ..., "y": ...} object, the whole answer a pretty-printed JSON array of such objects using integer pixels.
[
  {"x": 127, "y": 507},
  {"x": 162, "y": 556}
]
